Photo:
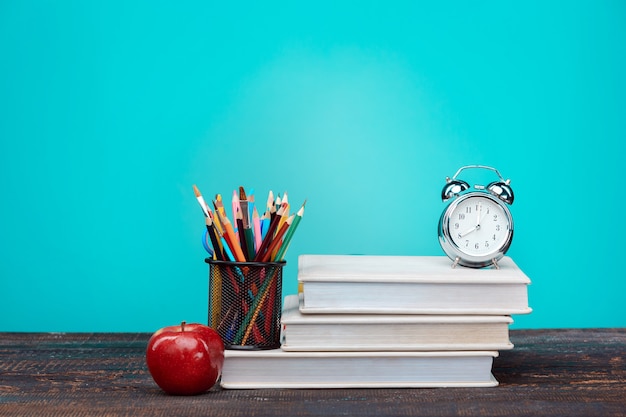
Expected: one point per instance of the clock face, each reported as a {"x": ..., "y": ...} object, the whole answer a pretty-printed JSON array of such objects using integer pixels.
[{"x": 477, "y": 227}]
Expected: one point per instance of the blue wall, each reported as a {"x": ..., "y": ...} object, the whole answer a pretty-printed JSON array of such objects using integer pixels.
[{"x": 110, "y": 111}]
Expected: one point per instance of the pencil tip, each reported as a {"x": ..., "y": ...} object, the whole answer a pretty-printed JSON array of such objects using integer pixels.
[
  {"x": 301, "y": 211},
  {"x": 196, "y": 191}
]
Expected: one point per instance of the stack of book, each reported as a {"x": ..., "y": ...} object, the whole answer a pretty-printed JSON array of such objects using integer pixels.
[{"x": 387, "y": 321}]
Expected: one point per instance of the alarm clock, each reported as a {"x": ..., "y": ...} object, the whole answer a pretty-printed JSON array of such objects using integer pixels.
[{"x": 476, "y": 227}]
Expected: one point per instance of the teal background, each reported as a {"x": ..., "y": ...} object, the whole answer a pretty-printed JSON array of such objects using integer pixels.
[{"x": 111, "y": 111}]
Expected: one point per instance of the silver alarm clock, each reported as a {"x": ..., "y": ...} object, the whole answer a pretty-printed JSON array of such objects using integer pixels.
[{"x": 476, "y": 227}]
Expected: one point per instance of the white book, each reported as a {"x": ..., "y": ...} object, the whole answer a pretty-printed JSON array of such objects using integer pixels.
[
  {"x": 387, "y": 332},
  {"x": 409, "y": 285},
  {"x": 245, "y": 369}
]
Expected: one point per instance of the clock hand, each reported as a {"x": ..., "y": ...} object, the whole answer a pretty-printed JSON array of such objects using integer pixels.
[
  {"x": 478, "y": 219},
  {"x": 467, "y": 232},
  {"x": 482, "y": 216}
]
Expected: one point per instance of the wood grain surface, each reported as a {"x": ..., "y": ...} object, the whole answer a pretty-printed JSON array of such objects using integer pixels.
[{"x": 565, "y": 372}]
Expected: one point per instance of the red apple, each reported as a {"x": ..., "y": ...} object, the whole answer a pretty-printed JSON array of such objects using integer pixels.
[{"x": 186, "y": 359}]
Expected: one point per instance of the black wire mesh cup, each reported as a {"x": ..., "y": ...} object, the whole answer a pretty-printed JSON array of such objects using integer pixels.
[{"x": 245, "y": 303}]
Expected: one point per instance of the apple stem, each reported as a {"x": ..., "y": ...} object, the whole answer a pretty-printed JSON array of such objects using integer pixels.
[{"x": 182, "y": 326}]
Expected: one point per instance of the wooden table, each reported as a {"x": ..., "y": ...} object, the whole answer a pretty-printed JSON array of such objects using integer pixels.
[{"x": 549, "y": 372}]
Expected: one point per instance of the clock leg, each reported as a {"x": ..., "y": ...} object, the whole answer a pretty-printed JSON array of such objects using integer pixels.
[
  {"x": 495, "y": 263},
  {"x": 456, "y": 262}
]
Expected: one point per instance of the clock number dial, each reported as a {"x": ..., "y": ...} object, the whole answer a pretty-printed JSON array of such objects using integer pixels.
[{"x": 480, "y": 226}]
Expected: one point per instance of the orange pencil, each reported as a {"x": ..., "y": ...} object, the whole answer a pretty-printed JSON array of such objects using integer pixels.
[{"x": 232, "y": 239}]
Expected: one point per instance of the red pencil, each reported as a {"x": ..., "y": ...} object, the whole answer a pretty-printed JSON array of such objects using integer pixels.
[
  {"x": 277, "y": 239},
  {"x": 270, "y": 234}
]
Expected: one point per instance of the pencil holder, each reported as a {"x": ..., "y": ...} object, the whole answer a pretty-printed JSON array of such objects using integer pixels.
[{"x": 245, "y": 303}]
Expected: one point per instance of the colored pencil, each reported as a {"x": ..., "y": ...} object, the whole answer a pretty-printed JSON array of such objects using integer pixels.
[
  {"x": 241, "y": 234},
  {"x": 285, "y": 215},
  {"x": 270, "y": 235},
  {"x": 277, "y": 240},
  {"x": 219, "y": 208},
  {"x": 214, "y": 239},
  {"x": 251, "y": 204},
  {"x": 271, "y": 207},
  {"x": 236, "y": 209},
  {"x": 228, "y": 254},
  {"x": 268, "y": 309},
  {"x": 255, "y": 308},
  {"x": 270, "y": 200},
  {"x": 232, "y": 239},
  {"x": 292, "y": 229},
  {"x": 258, "y": 237},
  {"x": 247, "y": 225},
  {"x": 278, "y": 203},
  {"x": 265, "y": 224}
]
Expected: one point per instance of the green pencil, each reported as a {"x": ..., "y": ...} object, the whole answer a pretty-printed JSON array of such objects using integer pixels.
[{"x": 287, "y": 239}]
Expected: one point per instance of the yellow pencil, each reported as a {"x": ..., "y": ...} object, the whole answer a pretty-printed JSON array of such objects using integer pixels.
[
  {"x": 219, "y": 209},
  {"x": 285, "y": 215}
]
